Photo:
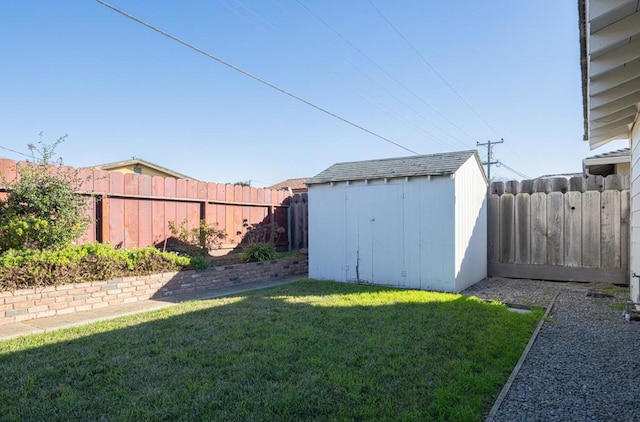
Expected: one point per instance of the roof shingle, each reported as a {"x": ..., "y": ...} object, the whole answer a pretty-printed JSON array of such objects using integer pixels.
[
  {"x": 298, "y": 183},
  {"x": 416, "y": 165}
]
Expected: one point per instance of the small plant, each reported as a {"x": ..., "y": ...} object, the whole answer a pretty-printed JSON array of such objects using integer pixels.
[
  {"x": 199, "y": 240},
  {"x": 258, "y": 252},
  {"x": 260, "y": 240}
]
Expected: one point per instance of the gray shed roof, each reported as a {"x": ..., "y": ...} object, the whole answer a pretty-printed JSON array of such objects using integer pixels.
[{"x": 415, "y": 165}]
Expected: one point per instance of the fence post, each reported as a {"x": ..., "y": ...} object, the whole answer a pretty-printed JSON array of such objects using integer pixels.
[
  {"x": 102, "y": 219},
  {"x": 289, "y": 224},
  {"x": 203, "y": 211}
]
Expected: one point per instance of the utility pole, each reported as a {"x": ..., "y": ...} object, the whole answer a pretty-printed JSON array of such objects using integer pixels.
[{"x": 489, "y": 161}]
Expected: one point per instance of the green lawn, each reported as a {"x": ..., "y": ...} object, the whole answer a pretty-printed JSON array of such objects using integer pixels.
[{"x": 309, "y": 350}]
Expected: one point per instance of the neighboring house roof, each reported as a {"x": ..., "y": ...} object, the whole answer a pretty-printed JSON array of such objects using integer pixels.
[
  {"x": 610, "y": 65},
  {"x": 417, "y": 165},
  {"x": 293, "y": 184},
  {"x": 139, "y": 161},
  {"x": 557, "y": 175},
  {"x": 606, "y": 163},
  {"x": 612, "y": 157}
]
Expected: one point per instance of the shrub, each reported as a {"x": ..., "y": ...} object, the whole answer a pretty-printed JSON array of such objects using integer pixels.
[
  {"x": 42, "y": 209},
  {"x": 89, "y": 262},
  {"x": 199, "y": 240},
  {"x": 22, "y": 232},
  {"x": 256, "y": 252}
]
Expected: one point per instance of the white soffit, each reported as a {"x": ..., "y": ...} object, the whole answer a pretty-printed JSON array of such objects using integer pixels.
[{"x": 610, "y": 32}]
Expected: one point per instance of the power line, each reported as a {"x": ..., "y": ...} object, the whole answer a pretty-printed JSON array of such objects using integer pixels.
[
  {"x": 439, "y": 75},
  {"x": 397, "y": 116},
  {"x": 262, "y": 81},
  {"x": 513, "y": 151},
  {"x": 432, "y": 67},
  {"x": 247, "y": 8},
  {"x": 16, "y": 152},
  {"x": 224, "y": 3},
  {"x": 512, "y": 170},
  {"x": 409, "y": 90},
  {"x": 387, "y": 111},
  {"x": 376, "y": 83}
]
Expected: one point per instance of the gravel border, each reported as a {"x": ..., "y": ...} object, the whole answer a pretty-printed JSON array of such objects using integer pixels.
[
  {"x": 583, "y": 366},
  {"x": 516, "y": 370},
  {"x": 516, "y": 292}
]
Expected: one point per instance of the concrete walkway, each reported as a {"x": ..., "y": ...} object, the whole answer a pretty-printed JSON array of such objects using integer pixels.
[{"x": 42, "y": 325}]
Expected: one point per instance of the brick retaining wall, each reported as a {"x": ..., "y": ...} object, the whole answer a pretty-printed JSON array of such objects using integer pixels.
[{"x": 26, "y": 304}]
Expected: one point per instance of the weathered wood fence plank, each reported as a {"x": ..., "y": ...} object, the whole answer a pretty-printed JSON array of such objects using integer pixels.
[
  {"x": 610, "y": 229},
  {"x": 539, "y": 228},
  {"x": 507, "y": 229},
  {"x": 493, "y": 228},
  {"x": 573, "y": 229},
  {"x": 523, "y": 229},
  {"x": 555, "y": 228},
  {"x": 591, "y": 229}
]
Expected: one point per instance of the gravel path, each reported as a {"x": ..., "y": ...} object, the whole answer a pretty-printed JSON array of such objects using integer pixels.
[{"x": 585, "y": 363}]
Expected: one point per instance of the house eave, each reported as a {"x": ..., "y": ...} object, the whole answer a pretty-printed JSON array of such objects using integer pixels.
[
  {"x": 610, "y": 69},
  {"x": 607, "y": 160},
  {"x": 584, "y": 66}
]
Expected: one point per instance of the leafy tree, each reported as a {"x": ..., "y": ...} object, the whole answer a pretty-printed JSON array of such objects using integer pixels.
[{"x": 42, "y": 209}]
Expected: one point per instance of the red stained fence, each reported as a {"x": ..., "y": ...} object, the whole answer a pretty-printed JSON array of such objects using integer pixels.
[{"x": 131, "y": 210}]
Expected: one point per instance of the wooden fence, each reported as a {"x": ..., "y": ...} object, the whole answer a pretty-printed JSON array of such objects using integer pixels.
[
  {"x": 567, "y": 230},
  {"x": 562, "y": 184},
  {"x": 131, "y": 210}
]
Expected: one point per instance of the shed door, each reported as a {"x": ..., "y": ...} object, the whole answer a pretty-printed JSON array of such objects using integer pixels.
[{"x": 374, "y": 234}]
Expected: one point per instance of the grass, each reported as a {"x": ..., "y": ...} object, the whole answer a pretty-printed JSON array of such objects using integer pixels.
[
  {"x": 617, "y": 295},
  {"x": 290, "y": 254},
  {"x": 309, "y": 350},
  {"x": 611, "y": 289}
]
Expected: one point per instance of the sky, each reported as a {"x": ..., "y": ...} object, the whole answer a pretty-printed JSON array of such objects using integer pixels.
[{"x": 431, "y": 76}]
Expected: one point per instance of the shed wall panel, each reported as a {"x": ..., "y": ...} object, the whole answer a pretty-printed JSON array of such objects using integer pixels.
[
  {"x": 470, "y": 225},
  {"x": 353, "y": 270},
  {"x": 327, "y": 232},
  {"x": 374, "y": 232},
  {"x": 437, "y": 234},
  {"x": 412, "y": 222}
]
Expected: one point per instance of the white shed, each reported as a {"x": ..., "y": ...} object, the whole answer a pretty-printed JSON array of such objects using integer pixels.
[{"x": 417, "y": 222}]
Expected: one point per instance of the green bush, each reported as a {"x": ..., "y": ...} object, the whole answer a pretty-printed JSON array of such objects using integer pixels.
[
  {"x": 22, "y": 232},
  {"x": 89, "y": 262},
  {"x": 256, "y": 252},
  {"x": 42, "y": 209}
]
